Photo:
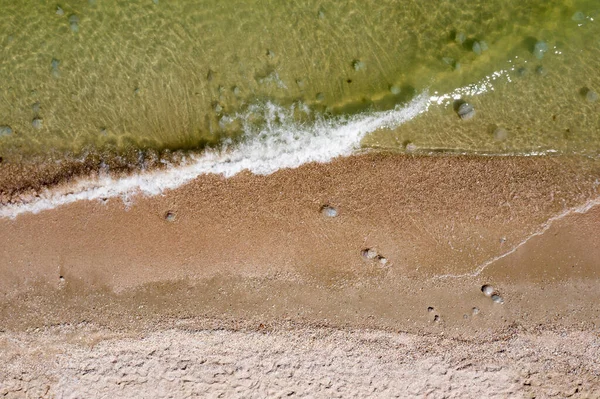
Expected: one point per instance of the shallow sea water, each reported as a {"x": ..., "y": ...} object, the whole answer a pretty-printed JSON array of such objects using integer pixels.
[{"x": 109, "y": 76}]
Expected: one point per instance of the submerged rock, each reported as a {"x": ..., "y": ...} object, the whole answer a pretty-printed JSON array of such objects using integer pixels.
[
  {"x": 74, "y": 22},
  {"x": 395, "y": 90},
  {"x": 5, "y": 130},
  {"x": 358, "y": 65},
  {"x": 36, "y": 107},
  {"x": 578, "y": 16},
  {"x": 37, "y": 123},
  {"x": 59, "y": 11},
  {"x": 477, "y": 48},
  {"x": 466, "y": 111},
  {"x": 591, "y": 96},
  {"x": 320, "y": 97},
  {"x": 460, "y": 37},
  {"x": 500, "y": 134},
  {"x": 540, "y": 49}
]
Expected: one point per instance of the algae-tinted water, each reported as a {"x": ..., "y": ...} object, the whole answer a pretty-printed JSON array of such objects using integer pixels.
[{"x": 107, "y": 74}]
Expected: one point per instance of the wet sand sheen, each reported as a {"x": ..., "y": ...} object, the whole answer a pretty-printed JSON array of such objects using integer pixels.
[{"x": 259, "y": 248}]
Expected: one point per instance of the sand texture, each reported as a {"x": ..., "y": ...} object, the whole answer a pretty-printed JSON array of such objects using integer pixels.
[{"x": 244, "y": 286}]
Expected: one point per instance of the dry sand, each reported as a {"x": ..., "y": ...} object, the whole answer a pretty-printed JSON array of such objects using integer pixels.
[{"x": 250, "y": 290}]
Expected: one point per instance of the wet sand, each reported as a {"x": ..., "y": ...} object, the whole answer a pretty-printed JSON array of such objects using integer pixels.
[{"x": 255, "y": 255}]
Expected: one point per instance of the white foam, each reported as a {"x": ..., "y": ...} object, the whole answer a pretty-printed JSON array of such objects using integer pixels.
[{"x": 279, "y": 143}]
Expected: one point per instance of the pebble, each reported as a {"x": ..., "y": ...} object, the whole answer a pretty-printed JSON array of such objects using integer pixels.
[
  {"x": 382, "y": 261},
  {"x": 36, "y": 107},
  {"x": 5, "y": 130},
  {"x": 37, "y": 123},
  {"x": 369, "y": 253},
  {"x": 483, "y": 45},
  {"x": 591, "y": 96},
  {"x": 236, "y": 90},
  {"x": 74, "y": 21},
  {"x": 475, "y": 310},
  {"x": 59, "y": 11},
  {"x": 155, "y": 2},
  {"x": 578, "y": 16},
  {"x": 430, "y": 309},
  {"x": 358, "y": 65},
  {"x": 395, "y": 90},
  {"x": 497, "y": 299},
  {"x": 487, "y": 290},
  {"x": 477, "y": 48},
  {"x": 270, "y": 54},
  {"x": 320, "y": 97},
  {"x": 329, "y": 211},
  {"x": 170, "y": 216},
  {"x": 210, "y": 75},
  {"x": 540, "y": 49},
  {"x": 466, "y": 111}
]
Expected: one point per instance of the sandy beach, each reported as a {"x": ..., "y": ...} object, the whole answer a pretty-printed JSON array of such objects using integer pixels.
[{"x": 249, "y": 264}]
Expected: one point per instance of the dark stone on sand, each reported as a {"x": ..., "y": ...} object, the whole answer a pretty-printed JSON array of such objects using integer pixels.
[{"x": 466, "y": 111}]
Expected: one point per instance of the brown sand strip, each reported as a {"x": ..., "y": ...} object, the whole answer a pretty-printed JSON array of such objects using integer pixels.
[{"x": 257, "y": 248}]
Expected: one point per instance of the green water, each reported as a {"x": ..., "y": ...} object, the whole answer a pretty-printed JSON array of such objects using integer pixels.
[{"x": 111, "y": 75}]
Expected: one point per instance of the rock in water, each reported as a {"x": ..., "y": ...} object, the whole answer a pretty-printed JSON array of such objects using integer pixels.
[
  {"x": 540, "y": 49},
  {"x": 466, "y": 111},
  {"x": 591, "y": 96},
  {"x": 358, "y": 65},
  {"x": 5, "y": 130},
  {"x": 477, "y": 48},
  {"x": 37, "y": 123}
]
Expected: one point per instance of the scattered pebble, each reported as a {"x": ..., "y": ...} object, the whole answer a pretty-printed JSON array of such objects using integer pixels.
[
  {"x": 483, "y": 45},
  {"x": 236, "y": 90},
  {"x": 475, "y": 311},
  {"x": 321, "y": 14},
  {"x": 300, "y": 83},
  {"x": 460, "y": 37},
  {"x": 487, "y": 290},
  {"x": 540, "y": 49},
  {"x": 170, "y": 216},
  {"x": 430, "y": 309},
  {"x": 59, "y": 11},
  {"x": 5, "y": 130},
  {"x": 36, "y": 107},
  {"x": 500, "y": 134},
  {"x": 395, "y": 90},
  {"x": 320, "y": 97},
  {"x": 37, "y": 123},
  {"x": 103, "y": 131},
  {"x": 497, "y": 299},
  {"x": 155, "y": 2},
  {"x": 270, "y": 54},
  {"x": 436, "y": 318},
  {"x": 369, "y": 253},
  {"x": 329, "y": 211},
  {"x": 74, "y": 22},
  {"x": 210, "y": 75},
  {"x": 358, "y": 65},
  {"x": 466, "y": 111},
  {"x": 382, "y": 261},
  {"x": 477, "y": 48},
  {"x": 522, "y": 71},
  {"x": 218, "y": 108}
]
